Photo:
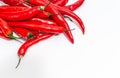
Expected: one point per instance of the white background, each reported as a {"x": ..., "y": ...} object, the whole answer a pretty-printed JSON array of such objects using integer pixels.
[{"x": 93, "y": 55}]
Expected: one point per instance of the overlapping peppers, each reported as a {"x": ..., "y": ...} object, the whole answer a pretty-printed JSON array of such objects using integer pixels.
[{"x": 36, "y": 20}]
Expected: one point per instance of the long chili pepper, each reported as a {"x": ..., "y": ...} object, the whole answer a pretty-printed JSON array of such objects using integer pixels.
[
  {"x": 63, "y": 11},
  {"x": 16, "y": 2},
  {"x": 61, "y": 2},
  {"x": 23, "y": 49},
  {"x": 6, "y": 29},
  {"x": 75, "y": 5},
  {"x": 24, "y": 33},
  {"x": 73, "y": 15},
  {"x": 11, "y": 2},
  {"x": 34, "y": 25},
  {"x": 42, "y": 14},
  {"x": 22, "y": 15},
  {"x": 12, "y": 8},
  {"x": 45, "y": 21},
  {"x": 58, "y": 18}
]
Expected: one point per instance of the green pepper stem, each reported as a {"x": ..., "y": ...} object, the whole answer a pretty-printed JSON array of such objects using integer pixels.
[
  {"x": 30, "y": 35},
  {"x": 11, "y": 36},
  {"x": 28, "y": 0}
]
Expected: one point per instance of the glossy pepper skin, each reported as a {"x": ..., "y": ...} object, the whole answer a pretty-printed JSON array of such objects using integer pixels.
[
  {"x": 24, "y": 33},
  {"x": 21, "y": 15},
  {"x": 75, "y": 5},
  {"x": 45, "y": 21},
  {"x": 73, "y": 15},
  {"x": 61, "y": 2},
  {"x": 58, "y": 18},
  {"x": 34, "y": 25},
  {"x": 12, "y": 2},
  {"x": 43, "y": 15},
  {"x": 6, "y": 29},
  {"x": 8, "y": 9},
  {"x": 23, "y": 49},
  {"x": 12, "y": 8},
  {"x": 16, "y": 2},
  {"x": 3, "y": 36}
]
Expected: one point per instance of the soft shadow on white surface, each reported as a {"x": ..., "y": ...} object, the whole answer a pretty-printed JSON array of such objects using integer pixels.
[{"x": 94, "y": 55}]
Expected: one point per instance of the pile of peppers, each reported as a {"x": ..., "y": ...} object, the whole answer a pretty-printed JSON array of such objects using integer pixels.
[{"x": 37, "y": 20}]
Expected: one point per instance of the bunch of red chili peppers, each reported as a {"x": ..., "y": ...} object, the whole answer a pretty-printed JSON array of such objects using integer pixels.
[{"x": 36, "y": 20}]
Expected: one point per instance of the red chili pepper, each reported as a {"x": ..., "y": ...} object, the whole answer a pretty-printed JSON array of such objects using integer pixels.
[
  {"x": 43, "y": 15},
  {"x": 23, "y": 49},
  {"x": 16, "y": 2},
  {"x": 75, "y": 5},
  {"x": 25, "y": 4},
  {"x": 6, "y": 29},
  {"x": 59, "y": 19},
  {"x": 22, "y": 15},
  {"x": 35, "y": 32},
  {"x": 73, "y": 15},
  {"x": 24, "y": 33},
  {"x": 53, "y": 1},
  {"x": 3, "y": 36},
  {"x": 61, "y": 2},
  {"x": 12, "y": 8},
  {"x": 12, "y": 2},
  {"x": 34, "y": 25},
  {"x": 45, "y": 21},
  {"x": 63, "y": 11}
]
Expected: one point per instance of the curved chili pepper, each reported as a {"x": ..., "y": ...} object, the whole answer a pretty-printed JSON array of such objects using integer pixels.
[
  {"x": 73, "y": 15},
  {"x": 23, "y": 49},
  {"x": 61, "y": 2},
  {"x": 6, "y": 29},
  {"x": 58, "y": 18},
  {"x": 24, "y": 33},
  {"x": 42, "y": 14},
  {"x": 34, "y": 25},
  {"x": 45, "y": 21},
  {"x": 12, "y": 2},
  {"x": 75, "y": 5},
  {"x": 22, "y": 15},
  {"x": 12, "y": 8},
  {"x": 16, "y": 2}
]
